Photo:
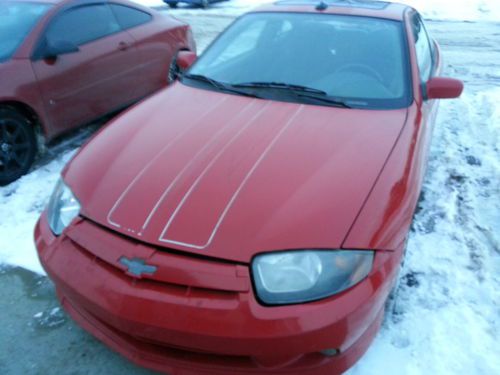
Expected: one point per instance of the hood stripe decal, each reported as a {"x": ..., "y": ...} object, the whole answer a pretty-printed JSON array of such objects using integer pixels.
[
  {"x": 152, "y": 161},
  {"x": 240, "y": 187},
  {"x": 191, "y": 162}
]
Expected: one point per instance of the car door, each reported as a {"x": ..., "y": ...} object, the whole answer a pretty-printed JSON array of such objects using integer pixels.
[
  {"x": 98, "y": 78},
  {"x": 155, "y": 51}
]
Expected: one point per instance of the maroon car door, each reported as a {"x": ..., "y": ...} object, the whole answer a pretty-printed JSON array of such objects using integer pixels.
[
  {"x": 96, "y": 73},
  {"x": 156, "y": 40}
]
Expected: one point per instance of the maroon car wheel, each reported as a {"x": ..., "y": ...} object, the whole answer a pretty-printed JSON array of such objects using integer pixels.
[{"x": 17, "y": 145}]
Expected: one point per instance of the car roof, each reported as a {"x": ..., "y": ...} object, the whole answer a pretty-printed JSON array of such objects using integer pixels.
[{"x": 369, "y": 8}]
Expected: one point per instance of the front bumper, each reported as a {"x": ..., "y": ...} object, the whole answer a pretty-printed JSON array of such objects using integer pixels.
[{"x": 180, "y": 327}]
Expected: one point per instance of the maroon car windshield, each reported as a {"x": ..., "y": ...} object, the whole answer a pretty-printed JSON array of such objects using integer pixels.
[
  {"x": 17, "y": 18},
  {"x": 361, "y": 61}
]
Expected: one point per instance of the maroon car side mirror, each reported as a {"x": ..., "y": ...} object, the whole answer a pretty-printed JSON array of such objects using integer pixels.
[
  {"x": 185, "y": 59},
  {"x": 444, "y": 88}
]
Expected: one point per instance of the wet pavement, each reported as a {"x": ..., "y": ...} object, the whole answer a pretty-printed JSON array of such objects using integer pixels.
[{"x": 38, "y": 338}]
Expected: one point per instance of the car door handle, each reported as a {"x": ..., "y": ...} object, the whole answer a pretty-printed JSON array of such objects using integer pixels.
[{"x": 123, "y": 46}]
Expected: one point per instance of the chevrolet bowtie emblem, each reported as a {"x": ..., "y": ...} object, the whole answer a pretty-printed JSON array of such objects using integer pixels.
[{"x": 137, "y": 267}]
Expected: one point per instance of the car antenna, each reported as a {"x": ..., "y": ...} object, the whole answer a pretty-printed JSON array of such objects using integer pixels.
[{"x": 322, "y": 6}]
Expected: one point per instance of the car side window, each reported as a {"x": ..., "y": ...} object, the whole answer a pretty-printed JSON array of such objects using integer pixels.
[
  {"x": 422, "y": 48},
  {"x": 130, "y": 17},
  {"x": 83, "y": 24}
]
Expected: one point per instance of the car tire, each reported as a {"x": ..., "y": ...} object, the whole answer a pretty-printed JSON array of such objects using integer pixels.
[
  {"x": 18, "y": 145},
  {"x": 172, "y": 4},
  {"x": 173, "y": 71}
]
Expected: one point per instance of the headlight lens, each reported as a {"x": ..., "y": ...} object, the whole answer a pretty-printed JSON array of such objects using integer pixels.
[
  {"x": 63, "y": 208},
  {"x": 308, "y": 275}
]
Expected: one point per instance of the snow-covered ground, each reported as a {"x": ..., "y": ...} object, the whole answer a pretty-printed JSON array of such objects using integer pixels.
[{"x": 447, "y": 316}]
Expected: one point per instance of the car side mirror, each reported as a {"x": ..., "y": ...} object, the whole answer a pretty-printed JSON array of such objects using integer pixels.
[
  {"x": 59, "y": 47},
  {"x": 185, "y": 59},
  {"x": 444, "y": 88}
]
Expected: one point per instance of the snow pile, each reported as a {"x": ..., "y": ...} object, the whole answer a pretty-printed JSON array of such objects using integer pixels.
[
  {"x": 469, "y": 10},
  {"x": 20, "y": 206}
]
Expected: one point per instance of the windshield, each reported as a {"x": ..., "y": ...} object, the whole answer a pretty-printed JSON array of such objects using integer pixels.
[
  {"x": 16, "y": 21},
  {"x": 358, "y": 61}
]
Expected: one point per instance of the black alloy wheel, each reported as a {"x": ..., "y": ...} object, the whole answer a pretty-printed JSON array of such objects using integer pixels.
[{"x": 17, "y": 145}]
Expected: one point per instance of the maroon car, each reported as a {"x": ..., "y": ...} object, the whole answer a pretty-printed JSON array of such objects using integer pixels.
[
  {"x": 64, "y": 63},
  {"x": 251, "y": 219}
]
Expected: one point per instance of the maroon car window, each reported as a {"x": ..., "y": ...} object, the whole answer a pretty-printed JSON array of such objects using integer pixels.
[
  {"x": 422, "y": 48},
  {"x": 16, "y": 21},
  {"x": 83, "y": 24},
  {"x": 129, "y": 17}
]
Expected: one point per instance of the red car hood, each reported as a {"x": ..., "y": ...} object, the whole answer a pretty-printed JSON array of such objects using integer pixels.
[{"x": 228, "y": 176}]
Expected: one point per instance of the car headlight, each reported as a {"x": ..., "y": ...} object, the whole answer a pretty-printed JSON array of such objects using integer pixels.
[
  {"x": 308, "y": 275},
  {"x": 63, "y": 208}
]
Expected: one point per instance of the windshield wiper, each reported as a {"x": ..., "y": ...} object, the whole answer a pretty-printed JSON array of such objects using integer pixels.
[
  {"x": 218, "y": 85},
  {"x": 280, "y": 85},
  {"x": 298, "y": 90},
  {"x": 326, "y": 99}
]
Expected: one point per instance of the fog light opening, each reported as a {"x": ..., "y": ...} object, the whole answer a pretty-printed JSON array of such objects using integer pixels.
[{"x": 330, "y": 352}]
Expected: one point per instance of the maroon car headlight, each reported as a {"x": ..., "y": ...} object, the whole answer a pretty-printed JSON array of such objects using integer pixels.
[
  {"x": 62, "y": 209},
  {"x": 308, "y": 275}
]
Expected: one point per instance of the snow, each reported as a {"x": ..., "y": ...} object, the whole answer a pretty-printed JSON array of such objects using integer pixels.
[
  {"x": 20, "y": 206},
  {"x": 51, "y": 318},
  {"x": 469, "y": 10},
  {"x": 446, "y": 319}
]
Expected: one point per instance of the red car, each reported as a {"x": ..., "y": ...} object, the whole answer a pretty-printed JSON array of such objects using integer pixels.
[
  {"x": 64, "y": 63},
  {"x": 252, "y": 217}
]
